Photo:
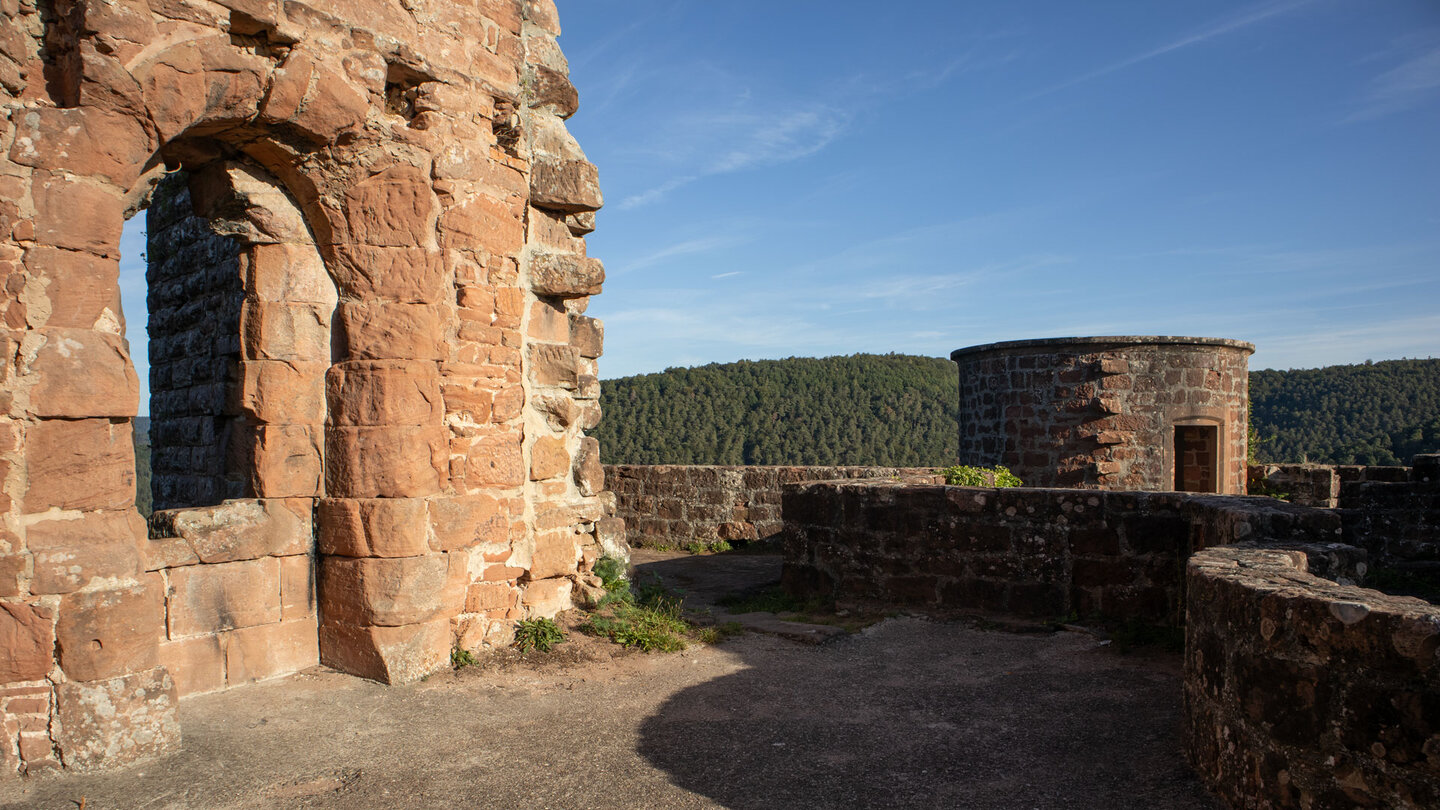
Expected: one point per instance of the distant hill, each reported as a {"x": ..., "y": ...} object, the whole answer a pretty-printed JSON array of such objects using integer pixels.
[
  {"x": 1373, "y": 413},
  {"x": 900, "y": 410},
  {"x": 863, "y": 409}
]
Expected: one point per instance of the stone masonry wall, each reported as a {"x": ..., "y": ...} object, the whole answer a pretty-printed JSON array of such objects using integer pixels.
[
  {"x": 1028, "y": 552},
  {"x": 438, "y": 429},
  {"x": 672, "y": 505},
  {"x": 1397, "y": 522},
  {"x": 1100, "y": 413},
  {"x": 1302, "y": 693},
  {"x": 1319, "y": 485}
]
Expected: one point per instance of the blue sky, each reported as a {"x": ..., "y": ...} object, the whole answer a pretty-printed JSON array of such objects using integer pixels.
[{"x": 817, "y": 177}]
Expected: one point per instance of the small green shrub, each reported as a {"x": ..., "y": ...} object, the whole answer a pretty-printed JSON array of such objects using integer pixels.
[
  {"x": 719, "y": 632},
  {"x": 537, "y": 634},
  {"x": 713, "y": 547},
  {"x": 963, "y": 476},
  {"x": 647, "y": 627},
  {"x": 612, "y": 574},
  {"x": 461, "y": 658}
]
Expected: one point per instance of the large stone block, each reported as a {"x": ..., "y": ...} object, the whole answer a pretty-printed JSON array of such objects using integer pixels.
[
  {"x": 83, "y": 289},
  {"x": 77, "y": 214},
  {"x": 566, "y": 275},
  {"x": 282, "y": 392},
  {"x": 91, "y": 142},
  {"x": 572, "y": 186},
  {"x": 104, "y": 634},
  {"x": 392, "y": 331},
  {"x": 317, "y": 101},
  {"x": 587, "y": 335},
  {"x": 282, "y": 331},
  {"x": 548, "y": 458},
  {"x": 395, "y": 208},
  {"x": 385, "y": 392},
  {"x": 27, "y": 635},
  {"x": 393, "y": 655},
  {"x": 467, "y": 520},
  {"x": 547, "y": 597},
  {"x": 555, "y": 555},
  {"x": 83, "y": 373},
  {"x": 297, "y": 587},
  {"x": 271, "y": 650},
  {"x": 197, "y": 664},
  {"x": 495, "y": 461},
  {"x": 380, "y": 527},
  {"x": 241, "y": 529},
  {"x": 589, "y": 473},
  {"x": 283, "y": 460},
  {"x": 79, "y": 464},
  {"x": 118, "y": 721},
  {"x": 405, "y": 274},
  {"x": 213, "y": 598},
  {"x": 485, "y": 223},
  {"x": 287, "y": 273},
  {"x": 72, "y": 553},
  {"x": 391, "y": 592},
  {"x": 386, "y": 462},
  {"x": 552, "y": 365}
]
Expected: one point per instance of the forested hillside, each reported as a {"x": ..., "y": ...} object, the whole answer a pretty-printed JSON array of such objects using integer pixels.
[
  {"x": 900, "y": 410},
  {"x": 863, "y": 409},
  {"x": 1376, "y": 413}
]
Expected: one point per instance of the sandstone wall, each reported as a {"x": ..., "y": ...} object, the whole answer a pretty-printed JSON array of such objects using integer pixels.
[
  {"x": 1300, "y": 692},
  {"x": 1397, "y": 522},
  {"x": 672, "y": 505},
  {"x": 1028, "y": 552},
  {"x": 1319, "y": 485},
  {"x": 413, "y": 158},
  {"x": 1101, "y": 413}
]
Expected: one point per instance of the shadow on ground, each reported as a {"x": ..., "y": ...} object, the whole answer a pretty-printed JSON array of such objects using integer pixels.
[{"x": 913, "y": 713}]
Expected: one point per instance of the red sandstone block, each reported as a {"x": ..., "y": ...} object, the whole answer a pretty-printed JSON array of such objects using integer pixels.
[
  {"x": 392, "y": 592},
  {"x": 406, "y": 274},
  {"x": 105, "y": 634},
  {"x": 82, "y": 373},
  {"x": 71, "y": 554},
  {"x": 384, "y": 392},
  {"x": 381, "y": 527},
  {"x": 555, "y": 555},
  {"x": 77, "y": 214},
  {"x": 282, "y": 391},
  {"x": 393, "y": 331},
  {"x": 80, "y": 286},
  {"x": 464, "y": 521},
  {"x": 392, "y": 655},
  {"x": 297, "y": 587},
  {"x": 212, "y": 598},
  {"x": 80, "y": 464},
  {"x": 391, "y": 209},
  {"x": 387, "y": 462},
  {"x": 104, "y": 724},
  {"x": 284, "y": 331},
  {"x": 196, "y": 664},
  {"x": 27, "y": 636},
  {"x": 495, "y": 461},
  {"x": 271, "y": 650}
]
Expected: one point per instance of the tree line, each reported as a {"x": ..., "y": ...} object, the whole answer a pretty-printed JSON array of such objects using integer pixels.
[{"x": 900, "y": 410}]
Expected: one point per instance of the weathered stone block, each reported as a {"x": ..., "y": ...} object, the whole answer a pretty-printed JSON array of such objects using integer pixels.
[
  {"x": 391, "y": 209},
  {"x": 283, "y": 331},
  {"x": 90, "y": 142},
  {"x": 214, "y": 598},
  {"x": 555, "y": 555},
  {"x": 297, "y": 587},
  {"x": 546, "y": 597},
  {"x": 241, "y": 529},
  {"x": 386, "y": 462},
  {"x": 554, "y": 365},
  {"x": 104, "y": 634},
  {"x": 83, "y": 373},
  {"x": 280, "y": 392},
  {"x": 271, "y": 650},
  {"x": 405, "y": 274},
  {"x": 287, "y": 273},
  {"x": 571, "y": 186},
  {"x": 284, "y": 460},
  {"x": 381, "y": 527},
  {"x": 27, "y": 636},
  {"x": 392, "y": 331},
  {"x": 495, "y": 461},
  {"x": 70, "y": 554},
  {"x": 197, "y": 665},
  {"x": 548, "y": 458},
  {"x": 463, "y": 521},
  {"x": 391, "y": 592},
  {"x": 105, "y": 724},
  {"x": 82, "y": 288},
  {"x": 566, "y": 275},
  {"x": 393, "y": 655},
  {"x": 587, "y": 335},
  {"x": 385, "y": 392},
  {"x": 589, "y": 474},
  {"x": 77, "y": 214}
]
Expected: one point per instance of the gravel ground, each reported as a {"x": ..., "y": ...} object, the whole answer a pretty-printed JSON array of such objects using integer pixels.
[{"x": 907, "y": 713}]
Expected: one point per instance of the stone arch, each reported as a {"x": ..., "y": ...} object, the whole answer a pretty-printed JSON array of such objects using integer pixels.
[{"x": 425, "y": 147}]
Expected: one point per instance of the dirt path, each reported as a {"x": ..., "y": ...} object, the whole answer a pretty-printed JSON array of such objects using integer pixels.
[{"x": 909, "y": 713}]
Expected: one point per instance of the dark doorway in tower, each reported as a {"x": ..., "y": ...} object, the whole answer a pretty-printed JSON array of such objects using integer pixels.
[{"x": 1197, "y": 463}]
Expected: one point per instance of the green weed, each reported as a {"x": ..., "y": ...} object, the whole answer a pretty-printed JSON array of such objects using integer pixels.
[
  {"x": 537, "y": 634},
  {"x": 712, "y": 547},
  {"x": 719, "y": 632},
  {"x": 461, "y": 658},
  {"x": 964, "y": 476}
]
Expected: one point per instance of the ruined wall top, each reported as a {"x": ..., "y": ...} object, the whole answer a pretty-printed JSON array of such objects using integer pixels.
[{"x": 1101, "y": 342}]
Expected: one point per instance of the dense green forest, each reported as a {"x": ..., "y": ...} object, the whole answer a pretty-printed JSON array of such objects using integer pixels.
[
  {"x": 863, "y": 409},
  {"x": 900, "y": 410},
  {"x": 1375, "y": 413}
]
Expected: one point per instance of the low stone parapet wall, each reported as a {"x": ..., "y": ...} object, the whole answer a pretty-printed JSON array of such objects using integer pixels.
[
  {"x": 1300, "y": 692},
  {"x": 673, "y": 504},
  {"x": 1323, "y": 485},
  {"x": 1027, "y": 552}
]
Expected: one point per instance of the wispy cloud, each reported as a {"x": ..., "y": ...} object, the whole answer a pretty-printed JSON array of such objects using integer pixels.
[
  {"x": 730, "y": 274},
  {"x": 1415, "y": 80},
  {"x": 689, "y": 247},
  {"x": 1218, "y": 28},
  {"x": 751, "y": 133}
]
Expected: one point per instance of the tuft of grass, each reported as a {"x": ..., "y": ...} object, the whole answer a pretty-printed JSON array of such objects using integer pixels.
[
  {"x": 537, "y": 634},
  {"x": 646, "y": 627},
  {"x": 712, "y": 547},
  {"x": 461, "y": 658},
  {"x": 965, "y": 476},
  {"x": 719, "y": 632}
]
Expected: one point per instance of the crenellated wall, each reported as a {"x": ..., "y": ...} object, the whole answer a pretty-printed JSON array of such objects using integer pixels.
[{"x": 402, "y": 411}]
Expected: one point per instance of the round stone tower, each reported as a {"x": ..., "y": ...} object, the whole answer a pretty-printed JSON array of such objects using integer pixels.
[{"x": 1124, "y": 413}]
